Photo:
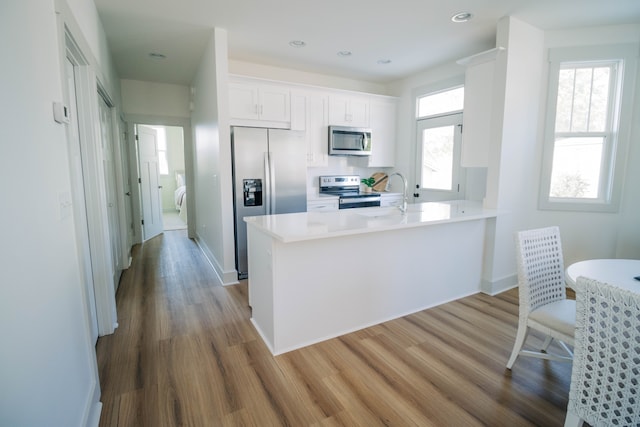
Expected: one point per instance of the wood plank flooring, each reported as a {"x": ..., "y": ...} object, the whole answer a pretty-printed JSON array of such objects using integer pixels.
[{"x": 186, "y": 354}]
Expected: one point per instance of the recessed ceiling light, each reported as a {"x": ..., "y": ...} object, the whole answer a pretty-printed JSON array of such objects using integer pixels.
[
  {"x": 384, "y": 61},
  {"x": 297, "y": 43},
  {"x": 344, "y": 53},
  {"x": 462, "y": 17},
  {"x": 157, "y": 55}
]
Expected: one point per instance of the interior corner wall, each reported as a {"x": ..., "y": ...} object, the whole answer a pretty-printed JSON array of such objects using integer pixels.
[{"x": 213, "y": 198}]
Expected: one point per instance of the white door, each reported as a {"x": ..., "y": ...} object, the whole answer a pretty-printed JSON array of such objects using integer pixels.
[
  {"x": 438, "y": 171},
  {"x": 79, "y": 203},
  {"x": 108, "y": 159},
  {"x": 150, "y": 189}
]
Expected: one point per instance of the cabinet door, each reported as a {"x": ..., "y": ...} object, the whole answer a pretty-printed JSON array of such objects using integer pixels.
[
  {"x": 243, "y": 101},
  {"x": 274, "y": 103},
  {"x": 383, "y": 133},
  {"x": 322, "y": 206},
  {"x": 317, "y": 130},
  {"x": 298, "y": 111},
  {"x": 348, "y": 111},
  {"x": 359, "y": 112},
  {"x": 478, "y": 100}
]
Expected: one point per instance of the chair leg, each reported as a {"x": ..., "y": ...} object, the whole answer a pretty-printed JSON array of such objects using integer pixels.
[
  {"x": 572, "y": 420},
  {"x": 547, "y": 342},
  {"x": 523, "y": 330}
]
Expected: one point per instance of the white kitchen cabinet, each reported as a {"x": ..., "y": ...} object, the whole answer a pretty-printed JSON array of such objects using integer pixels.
[
  {"x": 383, "y": 133},
  {"x": 309, "y": 114},
  {"x": 390, "y": 199},
  {"x": 348, "y": 110},
  {"x": 330, "y": 204},
  {"x": 478, "y": 111},
  {"x": 257, "y": 104}
]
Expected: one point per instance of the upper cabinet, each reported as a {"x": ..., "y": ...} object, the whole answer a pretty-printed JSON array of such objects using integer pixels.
[
  {"x": 309, "y": 114},
  {"x": 478, "y": 102},
  {"x": 258, "y": 104},
  {"x": 348, "y": 110},
  {"x": 308, "y": 109},
  {"x": 383, "y": 132}
]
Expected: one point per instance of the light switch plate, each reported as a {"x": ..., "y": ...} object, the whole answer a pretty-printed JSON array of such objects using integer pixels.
[{"x": 60, "y": 112}]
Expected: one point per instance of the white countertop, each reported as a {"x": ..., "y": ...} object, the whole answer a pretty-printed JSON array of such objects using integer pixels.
[{"x": 302, "y": 226}]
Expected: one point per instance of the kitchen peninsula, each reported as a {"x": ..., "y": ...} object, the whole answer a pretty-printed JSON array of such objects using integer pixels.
[{"x": 317, "y": 275}]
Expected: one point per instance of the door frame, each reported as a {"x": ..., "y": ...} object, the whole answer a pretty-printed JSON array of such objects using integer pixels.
[
  {"x": 152, "y": 120},
  {"x": 88, "y": 117}
]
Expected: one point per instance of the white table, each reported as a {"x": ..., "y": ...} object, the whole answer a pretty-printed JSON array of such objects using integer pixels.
[{"x": 618, "y": 272}]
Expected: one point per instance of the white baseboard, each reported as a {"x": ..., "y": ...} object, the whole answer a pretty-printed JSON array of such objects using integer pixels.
[
  {"x": 495, "y": 287},
  {"x": 225, "y": 277}
]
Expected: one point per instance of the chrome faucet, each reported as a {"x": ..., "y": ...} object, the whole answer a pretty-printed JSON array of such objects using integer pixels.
[{"x": 402, "y": 208}]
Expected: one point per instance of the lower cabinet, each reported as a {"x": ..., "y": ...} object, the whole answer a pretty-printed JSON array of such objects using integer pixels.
[{"x": 329, "y": 205}]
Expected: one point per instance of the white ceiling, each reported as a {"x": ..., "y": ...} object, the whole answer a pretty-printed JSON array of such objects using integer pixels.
[{"x": 413, "y": 34}]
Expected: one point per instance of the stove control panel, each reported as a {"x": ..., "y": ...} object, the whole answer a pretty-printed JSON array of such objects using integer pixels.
[{"x": 339, "y": 181}]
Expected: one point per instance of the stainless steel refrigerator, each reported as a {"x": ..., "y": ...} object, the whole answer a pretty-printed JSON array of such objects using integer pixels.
[{"x": 269, "y": 177}]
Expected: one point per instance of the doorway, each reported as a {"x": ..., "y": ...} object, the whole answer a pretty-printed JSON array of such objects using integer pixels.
[
  {"x": 173, "y": 183},
  {"x": 172, "y": 148}
]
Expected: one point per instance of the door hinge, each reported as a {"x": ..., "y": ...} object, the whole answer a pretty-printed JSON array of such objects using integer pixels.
[
  {"x": 137, "y": 139},
  {"x": 142, "y": 221},
  {"x": 139, "y": 180},
  {"x": 461, "y": 127}
]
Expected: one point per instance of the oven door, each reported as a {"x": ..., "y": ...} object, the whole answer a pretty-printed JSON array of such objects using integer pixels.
[{"x": 359, "y": 202}]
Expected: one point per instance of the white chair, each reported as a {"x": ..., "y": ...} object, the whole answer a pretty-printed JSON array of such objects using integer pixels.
[
  {"x": 543, "y": 301},
  {"x": 605, "y": 380}
]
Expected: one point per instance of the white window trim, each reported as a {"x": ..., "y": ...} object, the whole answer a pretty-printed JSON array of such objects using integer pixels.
[{"x": 621, "y": 116}]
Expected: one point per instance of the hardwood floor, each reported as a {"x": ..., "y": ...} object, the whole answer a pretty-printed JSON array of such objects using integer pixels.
[{"x": 186, "y": 354}]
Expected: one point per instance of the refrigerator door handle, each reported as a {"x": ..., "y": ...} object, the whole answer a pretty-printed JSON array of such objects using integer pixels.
[
  {"x": 267, "y": 184},
  {"x": 272, "y": 184}
]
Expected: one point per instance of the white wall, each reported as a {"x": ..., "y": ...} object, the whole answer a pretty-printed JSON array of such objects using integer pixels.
[
  {"x": 600, "y": 235},
  {"x": 48, "y": 371},
  {"x": 212, "y": 147},
  {"x": 155, "y": 99},
  {"x": 514, "y": 142},
  {"x": 301, "y": 77}
]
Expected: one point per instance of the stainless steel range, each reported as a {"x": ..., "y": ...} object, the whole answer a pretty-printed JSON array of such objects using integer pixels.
[{"x": 347, "y": 188}]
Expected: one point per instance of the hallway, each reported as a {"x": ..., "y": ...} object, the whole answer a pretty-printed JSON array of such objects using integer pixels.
[{"x": 185, "y": 353}]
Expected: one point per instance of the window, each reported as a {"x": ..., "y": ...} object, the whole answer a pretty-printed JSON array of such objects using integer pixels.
[
  {"x": 439, "y": 144},
  {"x": 582, "y": 137},
  {"x": 163, "y": 161},
  {"x": 447, "y": 101}
]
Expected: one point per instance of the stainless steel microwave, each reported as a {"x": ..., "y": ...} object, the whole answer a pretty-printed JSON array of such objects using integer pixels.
[{"x": 349, "y": 141}]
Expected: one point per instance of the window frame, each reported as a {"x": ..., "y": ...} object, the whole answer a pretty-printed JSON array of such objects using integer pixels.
[
  {"x": 165, "y": 151},
  {"x": 617, "y": 131}
]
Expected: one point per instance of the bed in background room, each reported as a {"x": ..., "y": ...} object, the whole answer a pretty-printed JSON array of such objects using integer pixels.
[{"x": 180, "y": 196}]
